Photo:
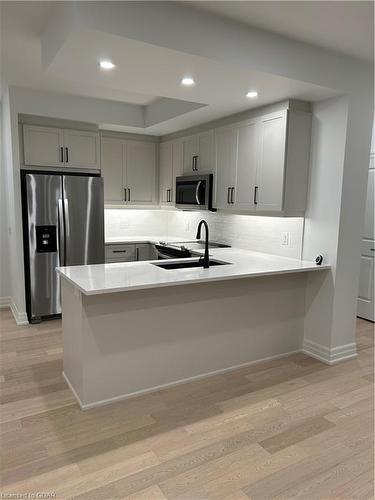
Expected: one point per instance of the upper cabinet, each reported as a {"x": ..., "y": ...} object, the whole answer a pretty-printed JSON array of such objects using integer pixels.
[
  {"x": 82, "y": 149},
  {"x": 171, "y": 166},
  {"x": 55, "y": 147},
  {"x": 198, "y": 153},
  {"x": 140, "y": 176},
  {"x": 129, "y": 171},
  {"x": 270, "y": 169},
  {"x": 262, "y": 164},
  {"x": 226, "y": 159},
  {"x": 113, "y": 165}
]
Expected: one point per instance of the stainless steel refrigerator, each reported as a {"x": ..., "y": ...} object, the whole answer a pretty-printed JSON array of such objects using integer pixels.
[{"x": 63, "y": 225}]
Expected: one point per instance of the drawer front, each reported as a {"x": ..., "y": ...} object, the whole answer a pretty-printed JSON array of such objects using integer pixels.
[{"x": 120, "y": 253}]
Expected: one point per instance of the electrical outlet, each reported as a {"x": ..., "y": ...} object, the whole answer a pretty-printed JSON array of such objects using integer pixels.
[{"x": 285, "y": 237}]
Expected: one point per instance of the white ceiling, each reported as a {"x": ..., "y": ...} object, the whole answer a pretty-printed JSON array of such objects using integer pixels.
[
  {"x": 144, "y": 72},
  {"x": 342, "y": 26},
  {"x": 153, "y": 70},
  {"x": 21, "y": 26}
]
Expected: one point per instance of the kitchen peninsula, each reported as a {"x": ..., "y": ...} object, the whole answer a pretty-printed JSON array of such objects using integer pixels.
[{"x": 131, "y": 328}]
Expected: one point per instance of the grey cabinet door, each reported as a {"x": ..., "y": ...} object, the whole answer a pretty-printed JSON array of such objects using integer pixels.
[
  {"x": 112, "y": 162},
  {"x": 84, "y": 220},
  {"x": 82, "y": 149},
  {"x": 271, "y": 163},
  {"x": 43, "y": 146},
  {"x": 145, "y": 251},
  {"x": 141, "y": 172},
  {"x": 119, "y": 252}
]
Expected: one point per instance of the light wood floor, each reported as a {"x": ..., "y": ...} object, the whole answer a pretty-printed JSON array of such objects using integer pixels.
[{"x": 292, "y": 428}]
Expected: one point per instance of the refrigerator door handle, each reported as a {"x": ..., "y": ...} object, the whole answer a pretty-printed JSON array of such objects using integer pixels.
[
  {"x": 61, "y": 234},
  {"x": 67, "y": 231}
]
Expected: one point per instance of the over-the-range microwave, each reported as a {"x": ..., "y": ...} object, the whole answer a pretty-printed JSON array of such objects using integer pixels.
[{"x": 194, "y": 192}]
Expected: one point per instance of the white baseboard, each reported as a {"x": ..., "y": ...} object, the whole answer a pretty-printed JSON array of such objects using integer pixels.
[
  {"x": 328, "y": 355},
  {"x": 19, "y": 316},
  {"x": 73, "y": 391},
  {"x": 87, "y": 406},
  {"x": 5, "y": 302}
]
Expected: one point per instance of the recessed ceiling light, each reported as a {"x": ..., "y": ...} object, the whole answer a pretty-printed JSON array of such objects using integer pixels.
[
  {"x": 106, "y": 64},
  {"x": 188, "y": 81},
  {"x": 252, "y": 94}
]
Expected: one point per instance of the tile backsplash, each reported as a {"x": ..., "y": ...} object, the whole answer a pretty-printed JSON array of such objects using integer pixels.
[
  {"x": 133, "y": 222},
  {"x": 276, "y": 235}
]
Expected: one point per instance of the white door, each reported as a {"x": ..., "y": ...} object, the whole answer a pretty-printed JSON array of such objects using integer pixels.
[
  {"x": 141, "y": 172},
  {"x": 226, "y": 159},
  {"x": 271, "y": 165},
  {"x": 248, "y": 145},
  {"x": 43, "y": 146},
  {"x": 366, "y": 303},
  {"x": 82, "y": 149},
  {"x": 112, "y": 160},
  {"x": 166, "y": 172},
  {"x": 206, "y": 151},
  {"x": 178, "y": 165},
  {"x": 190, "y": 154}
]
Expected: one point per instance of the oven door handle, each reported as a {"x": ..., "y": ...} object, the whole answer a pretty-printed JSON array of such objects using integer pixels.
[{"x": 197, "y": 192}]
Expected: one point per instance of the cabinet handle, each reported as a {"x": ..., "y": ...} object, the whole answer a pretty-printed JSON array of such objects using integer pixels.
[
  {"x": 232, "y": 195},
  {"x": 256, "y": 195},
  {"x": 228, "y": 198},
  {"x": 195, "y": 158},
  {"x": 119, "y": 251},
  {"x": 137, "y": 253},
  {"x": 124, "y": 194},
  {"x": 168, "y": 195},
  {"x": 372, "y": 249},
  {"x": 62, "y": 154},
  {"x": 129, "y": 194},
  {"x": 66, "y": 155}
]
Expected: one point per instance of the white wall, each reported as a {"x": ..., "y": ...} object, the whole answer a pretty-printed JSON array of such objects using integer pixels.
[
  {"x": 14, "y": 213},
  {"x": 334, "y": 222},
  {"x": 261, "y": 234},
  {"x": 5, "y": 286},
  {"x": 323, "y": 213}
]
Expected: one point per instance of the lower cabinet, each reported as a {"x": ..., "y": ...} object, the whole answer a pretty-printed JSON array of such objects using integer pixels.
[
  {"x": 145, "y": 251},
  {"x": 120, "y": 253},
  {"x": 129, "y": 252}
]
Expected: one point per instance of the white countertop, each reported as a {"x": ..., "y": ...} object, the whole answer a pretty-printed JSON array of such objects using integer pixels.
[{"x": 127, "y": 276}]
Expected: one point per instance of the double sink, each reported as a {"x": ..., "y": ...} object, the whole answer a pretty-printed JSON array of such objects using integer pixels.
[
  {"x": 186, "y": 265},
  {"x": 190, "y": 248}
]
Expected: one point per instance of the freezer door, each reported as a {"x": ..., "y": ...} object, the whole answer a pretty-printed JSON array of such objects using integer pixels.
[
  {"x": 84, "y": 220},
  {"x": 43, "y": 193}
]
